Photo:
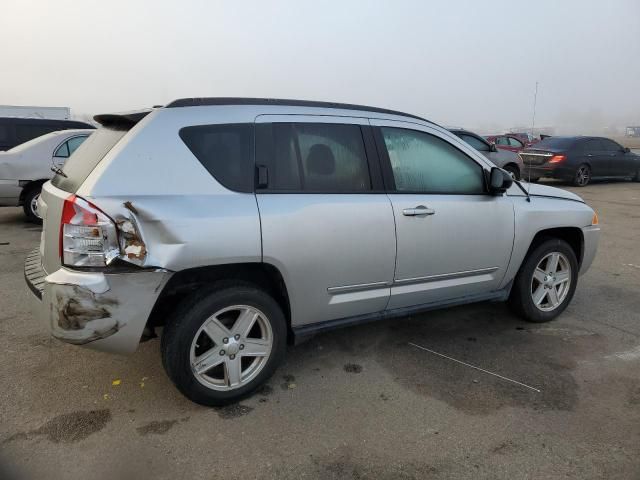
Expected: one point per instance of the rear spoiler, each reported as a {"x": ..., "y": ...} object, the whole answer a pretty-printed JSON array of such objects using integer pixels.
[{"x": 123, "y": 120}]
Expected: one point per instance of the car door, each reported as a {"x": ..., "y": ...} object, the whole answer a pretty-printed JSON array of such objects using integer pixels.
[
  {"x": 327, "y": 224},
  {"x": 619, "y": 164},
  {"x": 453, "y": 239}
]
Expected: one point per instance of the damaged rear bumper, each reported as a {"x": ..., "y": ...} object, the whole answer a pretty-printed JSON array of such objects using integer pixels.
[{"x": 105, "y": 311}]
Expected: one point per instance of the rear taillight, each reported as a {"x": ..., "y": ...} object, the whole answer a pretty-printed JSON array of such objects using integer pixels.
[
  {"x": 557, "y": 158},
  {"x": 88, "y": 237}
]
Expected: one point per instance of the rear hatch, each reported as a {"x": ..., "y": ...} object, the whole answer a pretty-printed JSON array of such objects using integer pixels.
[{"x": 76, "y": 170}]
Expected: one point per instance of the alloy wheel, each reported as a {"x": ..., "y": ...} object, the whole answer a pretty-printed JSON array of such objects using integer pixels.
[
  {"x": 34, "y": 206},
  {"x": 231, "y": 347},
  {"x": 583, "y": 175},
  {"x": 551, "y": 281}
]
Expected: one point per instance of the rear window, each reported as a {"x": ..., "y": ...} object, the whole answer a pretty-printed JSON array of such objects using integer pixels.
[
  {"x": 226, "y": 151},
  {"x": 554, "y": 143},
  {"x": 87, "y": 157}
]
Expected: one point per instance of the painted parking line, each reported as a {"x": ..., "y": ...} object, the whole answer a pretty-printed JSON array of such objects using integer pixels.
[{"x": 477, "y": 368}]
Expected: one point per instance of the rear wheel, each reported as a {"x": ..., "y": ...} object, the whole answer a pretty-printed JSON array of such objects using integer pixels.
[
  {"x": 513, "y": 171},
  {"x": 30, "y": 205},
  {"x": 546, "y": 282},
  {"x": 582, "y": 176},
  {"x": 221, "y": 346}
]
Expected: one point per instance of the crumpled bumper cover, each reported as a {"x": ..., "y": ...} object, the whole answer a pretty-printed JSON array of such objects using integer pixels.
[{"x": 105, "y": 311}]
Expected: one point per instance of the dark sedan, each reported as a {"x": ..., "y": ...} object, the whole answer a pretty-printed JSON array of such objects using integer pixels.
[{"x": 579, "y": 160}]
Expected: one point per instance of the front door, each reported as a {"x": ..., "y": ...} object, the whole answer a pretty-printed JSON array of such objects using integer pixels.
[
  {"x": 454, "y": 239},
  {"x": 327, "y": 224}
]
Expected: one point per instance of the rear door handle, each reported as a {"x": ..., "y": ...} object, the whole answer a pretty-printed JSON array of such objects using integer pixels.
[{"x": 418, "y": 211}]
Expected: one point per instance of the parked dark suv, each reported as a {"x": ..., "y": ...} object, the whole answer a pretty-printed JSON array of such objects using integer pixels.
[
  {"x": 579, "y": 160},
  {"x": 15, "y": 131}
]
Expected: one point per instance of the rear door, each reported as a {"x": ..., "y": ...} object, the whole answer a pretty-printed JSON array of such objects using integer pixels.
[
  {"x": 327, "y": 224},
  {"x": 594, "y": 154},
  {"x": 454, "y": 239}
]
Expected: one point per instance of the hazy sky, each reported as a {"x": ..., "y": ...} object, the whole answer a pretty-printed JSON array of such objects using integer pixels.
[{"x": 468, "y": 63}]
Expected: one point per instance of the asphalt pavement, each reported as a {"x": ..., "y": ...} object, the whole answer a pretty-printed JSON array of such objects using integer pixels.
[{"x": 355, "y": 403}]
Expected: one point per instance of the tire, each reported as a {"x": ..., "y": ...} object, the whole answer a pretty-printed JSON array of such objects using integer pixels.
[
  {"x": 526, "y": 287},
  {"x": 29, "y": 205},
  {"x": 184, "y": 343},
  {"x": 513, "y": 171},
  {"x": 582, "y": 177}
]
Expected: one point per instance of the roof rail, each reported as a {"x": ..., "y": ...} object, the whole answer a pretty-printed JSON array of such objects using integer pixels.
[{"x": 217, "y": 101}]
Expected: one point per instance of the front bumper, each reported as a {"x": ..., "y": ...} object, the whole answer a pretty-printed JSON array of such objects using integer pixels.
[
  {"x": 104, "y": 311},
  {"x": 591, "y": 236}
]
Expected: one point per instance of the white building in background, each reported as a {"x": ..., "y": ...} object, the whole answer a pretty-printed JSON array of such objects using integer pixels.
[{"x": 54, "y": 113}]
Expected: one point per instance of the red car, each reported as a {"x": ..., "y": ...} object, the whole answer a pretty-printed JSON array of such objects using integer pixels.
[{"x": 510, "y": 141}]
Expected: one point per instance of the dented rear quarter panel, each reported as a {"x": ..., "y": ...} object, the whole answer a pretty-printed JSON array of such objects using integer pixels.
[{"x": 185, "y": 218}]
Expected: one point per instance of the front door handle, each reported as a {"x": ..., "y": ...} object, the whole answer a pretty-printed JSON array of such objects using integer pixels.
[{"x": 418, "y": 211}]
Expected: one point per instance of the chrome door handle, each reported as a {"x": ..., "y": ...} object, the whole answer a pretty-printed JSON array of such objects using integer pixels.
[{"x": 418, "y": 211}]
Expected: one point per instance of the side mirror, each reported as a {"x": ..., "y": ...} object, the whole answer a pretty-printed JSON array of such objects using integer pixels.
[
  {"x": 499, "y": 181},
  {"x": 627, "y": 150},
  {"x": 492, "y": 147}
]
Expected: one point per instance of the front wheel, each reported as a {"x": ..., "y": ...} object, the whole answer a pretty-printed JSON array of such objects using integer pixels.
[
  {"x": 546, "y": 282},
  {"x": 582, "y": 176},
  {"x": 30, "y": 205},
  {"x": 222, "y": 345}
]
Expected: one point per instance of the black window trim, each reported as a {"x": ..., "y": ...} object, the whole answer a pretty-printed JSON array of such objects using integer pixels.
[
  {"x": 371, "y": 156},
  {"x": 387, "y": 170}
]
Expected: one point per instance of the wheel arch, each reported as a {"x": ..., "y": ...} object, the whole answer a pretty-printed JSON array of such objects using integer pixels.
[
  {"x": 186, "y": 282},
  {"x": 572, "y": 235},
  {"x": 27, "y": 187}
]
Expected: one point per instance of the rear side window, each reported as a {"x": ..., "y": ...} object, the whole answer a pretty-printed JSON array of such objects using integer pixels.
[
  {"x": 226, "y": 151},
  {"x": 68, "y": 147},
  {"x": 314, "y": 157},
  {"x": 87, "y": 157}
]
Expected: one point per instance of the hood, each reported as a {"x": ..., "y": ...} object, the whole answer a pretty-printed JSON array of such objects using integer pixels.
[{"x": 535, "y": 189}]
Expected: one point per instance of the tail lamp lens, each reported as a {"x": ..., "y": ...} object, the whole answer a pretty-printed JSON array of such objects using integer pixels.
[
  {"x": 88, "y": 237},
  {"x": 557, "y": 158}
]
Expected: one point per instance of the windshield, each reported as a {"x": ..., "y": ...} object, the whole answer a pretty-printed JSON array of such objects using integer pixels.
[{"x": 78, "y": 167}]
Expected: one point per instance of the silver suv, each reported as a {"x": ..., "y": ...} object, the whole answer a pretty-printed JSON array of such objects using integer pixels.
[{"x": 240, "y": 225}]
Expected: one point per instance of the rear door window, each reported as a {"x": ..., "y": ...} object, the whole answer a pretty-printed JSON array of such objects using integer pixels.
[
  {"x": 62, "y": 151},
  {"x": 314, "y": 157},
  {"x": 226, "y": 151},
  {"x": 514, "y": 142}
]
